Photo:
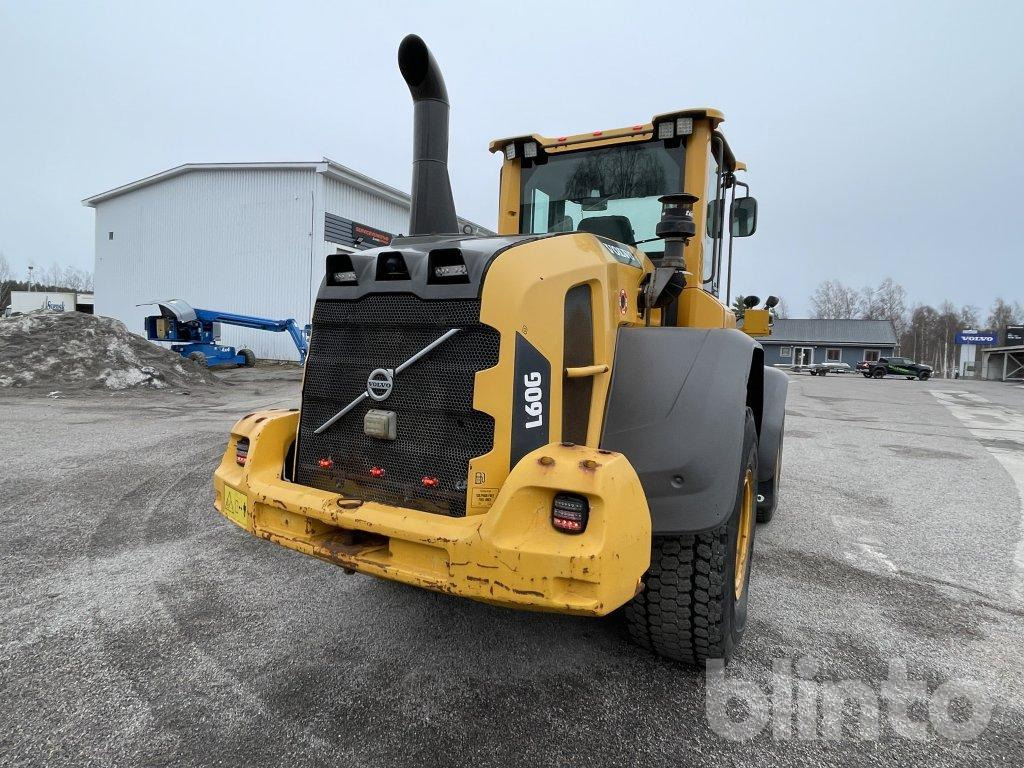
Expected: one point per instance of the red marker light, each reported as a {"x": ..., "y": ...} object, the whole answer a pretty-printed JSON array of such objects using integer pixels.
[
  {"x": 430, "y": 482},
  {"x": 573, "y": 526},
  {"x": 241, "y": 451},
  {"x": 562, "y": 138},
  {"x": 598, "y": 133},
  {"x": 638, "y": 127},
  {"x": 325, "y": 463},
  {"x": 376, "y": 472}
]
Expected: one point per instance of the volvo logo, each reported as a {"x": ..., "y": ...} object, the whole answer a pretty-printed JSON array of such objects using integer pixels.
[{"x": 379, "y": 384}]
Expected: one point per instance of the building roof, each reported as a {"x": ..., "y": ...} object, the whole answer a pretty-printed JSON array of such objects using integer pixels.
[
  {"x": 326, "y": 166},
  {"x": 880, "y": 333}
]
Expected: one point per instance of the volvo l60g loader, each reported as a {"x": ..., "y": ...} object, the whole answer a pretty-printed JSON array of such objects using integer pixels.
[{"x": 562, "y": 417}]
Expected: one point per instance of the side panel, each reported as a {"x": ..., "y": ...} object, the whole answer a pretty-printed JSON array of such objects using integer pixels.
[
  {"x": 776, "y": 383},
  {"x": 676, "y": 410},
  {"x": 524, "y": 297}
]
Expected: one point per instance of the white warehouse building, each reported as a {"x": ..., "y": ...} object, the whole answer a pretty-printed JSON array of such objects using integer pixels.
[{"x": 249, "y": 238}]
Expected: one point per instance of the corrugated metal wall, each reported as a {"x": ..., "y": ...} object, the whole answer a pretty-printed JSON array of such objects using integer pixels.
[
  {"x": 242, "y": 240},
  {"x": 236, "y": 240}
]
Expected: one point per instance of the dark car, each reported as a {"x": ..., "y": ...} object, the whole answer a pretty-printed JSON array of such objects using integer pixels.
[{"x": 895, "y": 366}]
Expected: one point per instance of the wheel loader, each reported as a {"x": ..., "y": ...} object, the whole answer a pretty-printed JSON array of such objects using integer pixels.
[{"x": 563, "y": 417}]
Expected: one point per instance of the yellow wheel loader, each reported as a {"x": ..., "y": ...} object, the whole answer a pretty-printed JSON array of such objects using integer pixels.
[{"x": 563, "y": 417}]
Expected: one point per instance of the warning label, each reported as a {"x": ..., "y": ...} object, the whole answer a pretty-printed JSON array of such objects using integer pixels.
[{"x": 484, "y": 497}]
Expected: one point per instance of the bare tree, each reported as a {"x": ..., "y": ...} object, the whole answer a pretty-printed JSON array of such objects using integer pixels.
[
  {"x": 1001, "y": 315},
  {"x": 57, "y": 277},
  {"x": 969, "y": 317},
  {"x": 834, "y": 301},
  {"x": 886, "y": 302},
  {"x": 5, "y": 281},
  {"x": 782, "y": 310}
]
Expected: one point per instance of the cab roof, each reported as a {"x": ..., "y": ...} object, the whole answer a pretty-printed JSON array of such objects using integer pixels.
[{"x": 638, "y": 132}]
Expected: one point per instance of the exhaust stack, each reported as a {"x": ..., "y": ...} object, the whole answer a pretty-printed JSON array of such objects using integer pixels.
[{"x": 433, "y": 209}]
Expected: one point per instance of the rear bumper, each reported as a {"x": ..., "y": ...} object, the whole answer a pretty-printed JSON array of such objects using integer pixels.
[{"x": 510, "y": 555}]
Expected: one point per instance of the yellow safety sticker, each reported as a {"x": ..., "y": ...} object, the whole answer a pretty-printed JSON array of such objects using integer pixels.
[{"x": 234, "y": 506}]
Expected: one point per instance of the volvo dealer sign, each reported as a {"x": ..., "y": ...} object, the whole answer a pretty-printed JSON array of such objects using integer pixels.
[{"x": 978, "y": 338}]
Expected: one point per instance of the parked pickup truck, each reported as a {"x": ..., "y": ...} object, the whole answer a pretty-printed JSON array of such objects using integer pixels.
[{"x": 894, "y": 366}]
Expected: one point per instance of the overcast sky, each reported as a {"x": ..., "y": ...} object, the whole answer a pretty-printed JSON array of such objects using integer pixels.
[{"x": 882, "y": 139}]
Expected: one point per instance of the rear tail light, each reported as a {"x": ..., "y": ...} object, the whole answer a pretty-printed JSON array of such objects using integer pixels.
[
  {"x": 569, "y": 513},
  {"x": 241, "y": 451}
]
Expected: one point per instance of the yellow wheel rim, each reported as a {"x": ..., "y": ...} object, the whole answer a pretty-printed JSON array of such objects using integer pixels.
[{"x": 744, "y": 536}]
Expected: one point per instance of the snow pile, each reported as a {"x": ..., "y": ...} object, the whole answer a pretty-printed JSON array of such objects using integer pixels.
[{"x": 77, "y": 351}]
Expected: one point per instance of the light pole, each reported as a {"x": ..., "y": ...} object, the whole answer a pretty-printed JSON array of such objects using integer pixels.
[{"x": 30, "y": 268}]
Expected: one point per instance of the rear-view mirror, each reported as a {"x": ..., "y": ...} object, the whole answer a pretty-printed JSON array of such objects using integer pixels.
[{"x": 743, "y": 217}]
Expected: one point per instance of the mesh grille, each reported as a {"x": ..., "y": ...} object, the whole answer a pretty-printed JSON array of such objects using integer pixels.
[{"x": 438, "y": 430}]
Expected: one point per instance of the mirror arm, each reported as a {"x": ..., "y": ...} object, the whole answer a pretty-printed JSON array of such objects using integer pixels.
[
  {"x": 746, "y": 188},
  {"x": 728, "y": 281},
  {"x": 716, "y": 244}
]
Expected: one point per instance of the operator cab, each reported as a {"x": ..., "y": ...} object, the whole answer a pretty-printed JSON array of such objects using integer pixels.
[{"x": 608, "y": 183}]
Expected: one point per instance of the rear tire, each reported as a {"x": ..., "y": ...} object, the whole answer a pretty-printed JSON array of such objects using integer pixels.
[
  {"x": 924, "y": 376},
  {"x": 694, "y": 605},
  {"x": 867, "y": 375},
  {"x": 250, "y": 357},
  {"x": 878, "y": 373}
]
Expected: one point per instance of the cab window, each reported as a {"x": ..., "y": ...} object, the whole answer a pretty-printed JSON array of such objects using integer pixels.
[{"x": 611, "y": 191}]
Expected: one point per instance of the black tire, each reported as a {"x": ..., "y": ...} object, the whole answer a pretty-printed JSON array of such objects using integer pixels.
[
  {"x": 768, "y": 490},
  {"x": 689, "y": 610},
  {"x": 924, "y": 376},
  {"x": 813, "y": 373},
  {"x": 878, "y": 373},
  {"x": 867, "y": 374},
  {"x": 198, "y": 357},
  {"x": 250, "y": 357},
  {"x": 823, "y": 372}
]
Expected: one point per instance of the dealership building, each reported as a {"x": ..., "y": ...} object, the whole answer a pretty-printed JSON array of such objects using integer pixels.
[
  {"x": 249, "y": 238},
  {"x": 805, "y": 342}
]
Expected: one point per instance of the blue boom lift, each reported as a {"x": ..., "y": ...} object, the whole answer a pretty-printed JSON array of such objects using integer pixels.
[{"x": 194, "y": 333}]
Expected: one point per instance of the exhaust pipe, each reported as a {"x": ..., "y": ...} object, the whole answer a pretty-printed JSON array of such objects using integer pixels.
[{"x": 433, "y": 209}]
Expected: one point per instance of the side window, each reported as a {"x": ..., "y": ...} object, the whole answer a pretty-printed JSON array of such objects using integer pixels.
[
  {"x": 833, "y": 355},
  {"x": 539, "y": 210},
  {"x": 785, "y": 351},
  {"x": 710, "y": 225},
  {"x": 871, "y": 355}
]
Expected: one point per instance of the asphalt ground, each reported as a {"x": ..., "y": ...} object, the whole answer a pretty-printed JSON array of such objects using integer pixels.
[{"x": 141, "y": 628}]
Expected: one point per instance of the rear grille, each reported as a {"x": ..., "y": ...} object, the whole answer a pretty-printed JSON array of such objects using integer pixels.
[{"x": 438, "y": 430}]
